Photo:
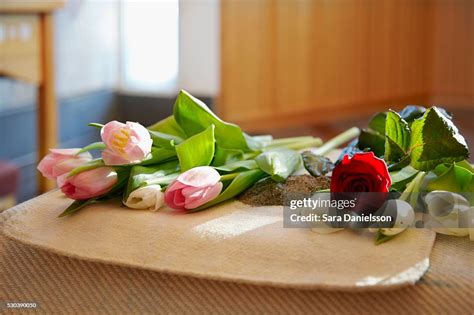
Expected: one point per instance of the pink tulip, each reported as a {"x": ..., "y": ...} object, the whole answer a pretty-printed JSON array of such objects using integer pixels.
[
  {"x": 193, "y": 188},
  {"x": 88, "y": 184},
  {"x": 126, "y": 143},
  {"x": 61, "y": 161}
]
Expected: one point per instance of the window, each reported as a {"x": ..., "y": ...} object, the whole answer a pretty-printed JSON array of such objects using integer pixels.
[{"x": 149, "y": 46}]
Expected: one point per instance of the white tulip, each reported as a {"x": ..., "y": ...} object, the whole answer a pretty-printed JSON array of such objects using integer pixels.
[
  {"x": 449, "y": 211},
  {"x": 149, "y": 197},
  {"x": 405, "y": 216},
  {"x": 320, "y": 227}
]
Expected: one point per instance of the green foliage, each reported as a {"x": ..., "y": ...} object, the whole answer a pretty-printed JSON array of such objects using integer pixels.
[
  {"x": 141, "y": 176},
  {"x": 238, "y": 166},
  {"x": 197, "y": 150},
  {"x": 279, "y": 163},
  {"x": 422, "y": 138},
  {"x": 397, "y": 137},
  {"x": 193, "y": 116},
  {"x": 382, "y": 238},
  {"x": 224, "y": 156},
  {"x": 168, "y": 126},
  {"x": 238, "y": 184},
  {"x": 435, "y": 140},
  {"x": 316, "y": 165},
  {"x": 87, "y": 166},
  {"x": 164, "y": 140},
  {"x": 93, "y": 146},
  {"x": 454, "y": 178}
]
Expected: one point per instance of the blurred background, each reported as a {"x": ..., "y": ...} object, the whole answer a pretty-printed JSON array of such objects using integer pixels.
[{"x": 286, "y": 67}]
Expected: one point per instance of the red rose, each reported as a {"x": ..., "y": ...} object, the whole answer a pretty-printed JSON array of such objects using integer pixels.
[{"x": 364, "y": 177}]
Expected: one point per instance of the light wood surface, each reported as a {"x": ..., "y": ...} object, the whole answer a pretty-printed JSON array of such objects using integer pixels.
[
  {"x": 29, "y": 6},
  {"x": 304, "y": 61}
]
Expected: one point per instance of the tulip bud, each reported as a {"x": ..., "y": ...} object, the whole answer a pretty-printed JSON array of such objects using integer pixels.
[
  {"x": 88, "y": 184},
  {"x": 193, "y": 188},
  {"x": 148, "y": 197},
  {"x": 62, "y": 161},
  {"x": 125, "y": 143}
]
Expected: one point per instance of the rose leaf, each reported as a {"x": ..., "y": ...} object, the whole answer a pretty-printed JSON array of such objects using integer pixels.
[
  {"x": 397, "y": 137},
  {"x": 377, "y": 123},
  {"x": 372, "y": 140},
  {"x": 316, "y": 165},
  {"x": 435, "y": 140}
]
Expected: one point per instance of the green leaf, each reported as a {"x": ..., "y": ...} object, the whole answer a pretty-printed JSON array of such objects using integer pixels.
[
  {"x": 279, "y": 163},
  {"x": 197, "y": 150},
  {"x": 164, "y": 140},
  {"x": 238, "y": 166},
  {"x": 412, "y": 112},
  {"x": 224, "y": 156},
  {"x": 377, "y": 123},
  {"x": 382, "y": 238},
  {"x": 76, "y": 206},
  {"x": 96, "y": 125},
  {"x": 257, "y": 143},
  {"x": 194, "y": 117},
  {"x": 159, "y": 155},
  {"x": 241, "y": 182},
  {"x": 405, "y": 161},
  {"x": 168, "y": 126},
  {"x": 455, "y": 179},
  {"x": 316, "y": 165},
  {"x": 465, "y": 164},
  {"x": 373, "y": 141},
  {"x": 401, "y": 178},
  {"x": 141, "y": 176},
  {"x": 87, "y": 166},
  {"x": 435, "y": 140},
  {"x": 397, "y": 137},
  {"x": 93, "y": 146}
]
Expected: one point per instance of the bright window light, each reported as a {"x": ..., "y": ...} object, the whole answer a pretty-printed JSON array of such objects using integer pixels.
[{"x": 149, "y": 46}]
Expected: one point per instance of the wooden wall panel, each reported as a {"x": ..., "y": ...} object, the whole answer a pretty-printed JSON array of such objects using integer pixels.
[
  {"x": 453, "y": 49},
  {"x": 292, "y": 55},
  {"x": 245, "y": 45},
  {"x": 304, "y": 61}
]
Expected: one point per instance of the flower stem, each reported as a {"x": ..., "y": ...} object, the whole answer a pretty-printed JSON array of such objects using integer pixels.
[
  {"x": 295, "y": 143},
  {"x": 413, "y": 186},
  {"x": 338, "y": 141},
  {"x": 162, "y": 180},
  {"x": 229, "y": 176}
]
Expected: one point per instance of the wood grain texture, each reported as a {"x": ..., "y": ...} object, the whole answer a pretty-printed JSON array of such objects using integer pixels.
[
  {"x": 47, "y": 113},
  {"x": 295, "y": 61},
  {"x": 29, "y": 6},
  {"x": 453, "y": 53}
]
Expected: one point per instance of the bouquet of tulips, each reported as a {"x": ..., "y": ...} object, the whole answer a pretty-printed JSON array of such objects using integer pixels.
[
  {"x": 189, "y": 161},
  {"x": 193, "y": 160}
]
